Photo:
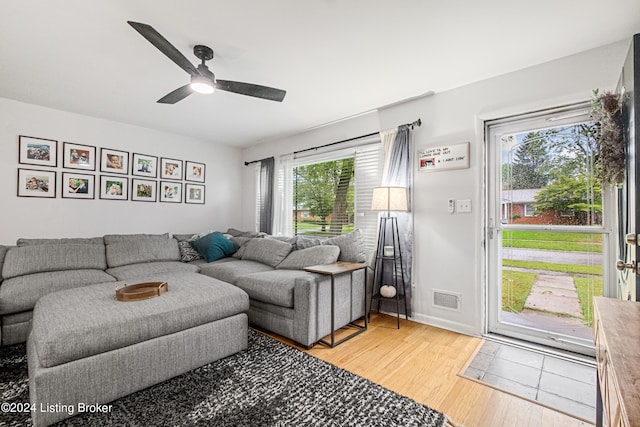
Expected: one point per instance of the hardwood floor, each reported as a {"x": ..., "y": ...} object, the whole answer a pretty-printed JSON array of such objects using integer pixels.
[{"x": 423, "y": 362}]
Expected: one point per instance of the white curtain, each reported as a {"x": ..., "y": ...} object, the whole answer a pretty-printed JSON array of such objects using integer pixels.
[
  {"x": 387, "y": 137},
  {"x": 283, "y": 196}
]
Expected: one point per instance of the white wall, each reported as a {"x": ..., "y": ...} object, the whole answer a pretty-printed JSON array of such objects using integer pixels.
[
  {"x": 448, "y": 248},
  {"x": 39, "y": 217}
]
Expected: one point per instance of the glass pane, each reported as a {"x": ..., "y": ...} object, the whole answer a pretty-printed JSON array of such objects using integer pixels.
[
  {"x": 549, "y": 280},
  {"x": 548, "y": 177},
  {"x": 323, "y": 197}
]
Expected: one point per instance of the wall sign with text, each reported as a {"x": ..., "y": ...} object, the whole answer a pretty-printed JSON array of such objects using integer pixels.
[{"x": 454, "y": 156}]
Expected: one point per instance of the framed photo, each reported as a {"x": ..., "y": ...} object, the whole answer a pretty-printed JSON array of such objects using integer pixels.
[
  {"x": 76, "y": 156},
  {"x": 170, "y": 168},
  {"x": 194, "y": 171},
  {"x": 36, "y": 183},
  {"x": 143, "y": 165},
  {"x": 78, "y": 186},
  {"x": 143, "y": 190},
  {"x": 170, "y": 192},
  {"x": 114, "y": 161},
  {"x": 194, "y": 193},
  {"x": 114, "y": 187},
  {"x": 37, "y": 151}
]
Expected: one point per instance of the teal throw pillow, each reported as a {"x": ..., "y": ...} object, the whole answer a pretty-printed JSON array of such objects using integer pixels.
[{"x": 214, "y": 246}]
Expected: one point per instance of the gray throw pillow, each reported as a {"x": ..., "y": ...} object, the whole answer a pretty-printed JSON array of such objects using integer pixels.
[
  {"x": 351, "y": 246},
  {"x": 266, "y": 251},
  {"x": 307, "y": 242},
  {"x": 297, "y": 260},
  {"x": 242, "y": 242}
]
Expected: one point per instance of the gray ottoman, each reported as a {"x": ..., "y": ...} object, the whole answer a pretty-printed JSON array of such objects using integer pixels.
[{"x": 86, "y": 348}]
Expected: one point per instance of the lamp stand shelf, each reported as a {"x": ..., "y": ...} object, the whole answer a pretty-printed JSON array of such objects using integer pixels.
[{"x": 391, "y": 264}]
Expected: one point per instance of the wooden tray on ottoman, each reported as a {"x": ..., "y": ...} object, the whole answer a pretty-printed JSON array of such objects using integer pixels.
[{"x": 141, "y": 291}]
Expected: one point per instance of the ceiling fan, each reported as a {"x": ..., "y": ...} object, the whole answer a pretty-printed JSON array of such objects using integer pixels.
[{"x": 202, "y": 79}]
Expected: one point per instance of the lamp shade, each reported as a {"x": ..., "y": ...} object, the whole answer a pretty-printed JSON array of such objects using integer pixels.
[{"x": 389, "y": 199}]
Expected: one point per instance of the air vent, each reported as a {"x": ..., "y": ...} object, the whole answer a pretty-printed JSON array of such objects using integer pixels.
[{"x": 448, "y": 300}]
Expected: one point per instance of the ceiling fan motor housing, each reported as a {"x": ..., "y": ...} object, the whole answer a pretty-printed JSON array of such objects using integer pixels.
[{"x": 203, "y": 53}]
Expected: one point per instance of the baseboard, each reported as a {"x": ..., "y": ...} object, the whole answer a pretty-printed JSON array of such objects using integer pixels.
[{"x": 460, "y": 328}]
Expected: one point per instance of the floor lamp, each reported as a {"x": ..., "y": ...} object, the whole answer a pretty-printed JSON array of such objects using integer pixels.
[{"x": 389, "y": 199}]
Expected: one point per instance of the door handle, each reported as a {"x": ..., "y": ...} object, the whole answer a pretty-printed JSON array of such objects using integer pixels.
[
  {"x": 621, "y": 265},
  {"x": 631, "y": 239}
]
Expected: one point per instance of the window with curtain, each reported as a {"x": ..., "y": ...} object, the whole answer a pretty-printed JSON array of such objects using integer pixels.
[{"x": 329, "y": 193}]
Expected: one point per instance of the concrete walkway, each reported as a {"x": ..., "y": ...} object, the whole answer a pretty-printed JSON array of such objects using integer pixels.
[
  {"x": 554, "y": 293},
  {"x": 551, "y": 303}
]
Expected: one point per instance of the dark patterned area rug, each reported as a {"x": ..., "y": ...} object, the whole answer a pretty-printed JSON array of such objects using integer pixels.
[{"x": 270, "y": 384}]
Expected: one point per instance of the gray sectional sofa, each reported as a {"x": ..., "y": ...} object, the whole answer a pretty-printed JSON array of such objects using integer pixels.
[
  {"x": 85, "y": 346},
  {"x": 283, "y": 297}
]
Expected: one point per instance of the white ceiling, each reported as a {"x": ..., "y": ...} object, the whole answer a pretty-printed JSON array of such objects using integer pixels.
[{"x": 335, "y": 58}]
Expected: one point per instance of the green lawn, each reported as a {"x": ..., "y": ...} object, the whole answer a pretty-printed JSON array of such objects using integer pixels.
[
  {"x": 516, "y": 287},
  {"x": 555, "y": 241},
  {"x": 312, "y": 228},
  {"x": 552, "y": 235},
  {"x": 564, "y": 268},
  {"x": 587, "y": 288}
]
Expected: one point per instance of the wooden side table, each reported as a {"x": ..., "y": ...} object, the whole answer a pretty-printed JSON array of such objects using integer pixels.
[{"x": 333, "y": 270}]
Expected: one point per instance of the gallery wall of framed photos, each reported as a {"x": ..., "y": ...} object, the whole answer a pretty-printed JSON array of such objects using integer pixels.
[{"x": 90, "y": 172}]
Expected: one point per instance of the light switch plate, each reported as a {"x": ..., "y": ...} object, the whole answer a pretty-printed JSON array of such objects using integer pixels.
[{"x": 452, "y": 206}]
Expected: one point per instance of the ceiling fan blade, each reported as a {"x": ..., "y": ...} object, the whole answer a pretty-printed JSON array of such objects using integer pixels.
[
  {"x": 264, "y": 92},
  {"x": 177, "y": 95},
  {"x": 163, "y": 45}
]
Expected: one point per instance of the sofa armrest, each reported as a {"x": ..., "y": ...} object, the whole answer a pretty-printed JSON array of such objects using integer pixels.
[{"x": 305, "y": 303}]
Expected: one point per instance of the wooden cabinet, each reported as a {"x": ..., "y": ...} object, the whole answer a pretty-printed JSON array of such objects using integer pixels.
[{"x": 617, "y": 340}]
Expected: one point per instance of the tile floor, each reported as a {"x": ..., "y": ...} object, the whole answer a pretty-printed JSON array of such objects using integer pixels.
[{"x": 563, "y": 384}]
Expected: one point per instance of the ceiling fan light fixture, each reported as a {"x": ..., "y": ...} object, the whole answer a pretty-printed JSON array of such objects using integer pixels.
[{"x": 201, "y": 84}]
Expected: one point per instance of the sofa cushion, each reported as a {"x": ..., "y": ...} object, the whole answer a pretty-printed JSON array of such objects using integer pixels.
[
  {"x": 273, "y": 287},
  {"x": 307, "y": 242},
  {"x": 239, "y": 233},
  {"x": 22, "y": 260},
  {"x": 64, "y": 241},
  {"x": 3, "y": 252},
  {"x": 351, "y": 247},
  {"x": 125, "y": 249},
  {"x": 266, "y": 251},
  {"x": 132, "y": 271},
  {"x": 21, "y": 293},
  {"x": 242, "y": 245},
  {"x": 287, "y": 239},
  {"x": 297, "y": 260},
  {"x": 230, "y": 271},
  {"x": 214, "y": 246},
  {"x": 99, "y": 322},
  {"x": 183, "y": 237}
]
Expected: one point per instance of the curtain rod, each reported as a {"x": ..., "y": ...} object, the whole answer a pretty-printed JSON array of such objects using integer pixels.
[{"x": 413, "y": 124}]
